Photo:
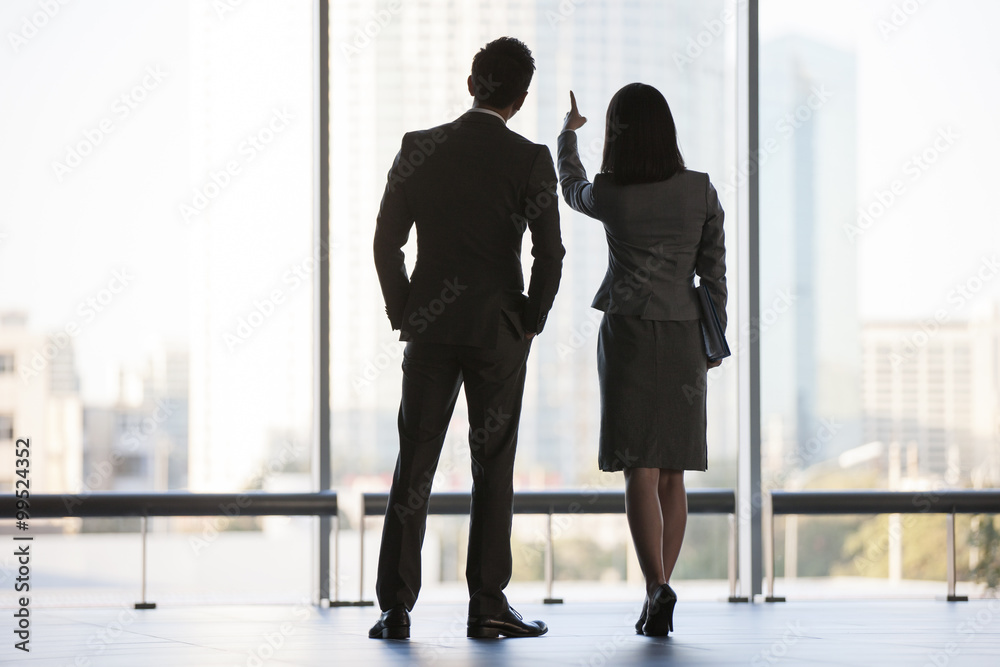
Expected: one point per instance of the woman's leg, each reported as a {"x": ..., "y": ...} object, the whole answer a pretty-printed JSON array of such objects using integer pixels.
[
  {"x": 645, "y": 522},
  {"x": 673, "y": 505}
]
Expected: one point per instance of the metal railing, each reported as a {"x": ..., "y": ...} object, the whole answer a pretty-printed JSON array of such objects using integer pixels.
[
  {"x": 949, "y": 503},
  {"x": 174, "y": 503},
  {"x": 700, "y": 501}
]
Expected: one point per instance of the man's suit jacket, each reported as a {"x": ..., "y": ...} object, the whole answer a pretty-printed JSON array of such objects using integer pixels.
[
  {"x": 472, "y": 188},
  {"x": 659, "y": 236}
]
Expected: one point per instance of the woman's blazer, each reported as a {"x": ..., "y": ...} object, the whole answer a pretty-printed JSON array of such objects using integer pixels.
[{"x": 659, "y": 236}]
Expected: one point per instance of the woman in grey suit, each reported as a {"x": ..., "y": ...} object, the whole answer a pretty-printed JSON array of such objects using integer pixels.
[{"x": 664, "y": 225}]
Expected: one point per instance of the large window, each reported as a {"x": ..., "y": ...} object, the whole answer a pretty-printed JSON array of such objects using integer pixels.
[
  {"x": 880, "y": 360},
  {"x": 158, "y": 259},
  {"x": 156, "y": 262},
  {"x": 397, "y": 67}
]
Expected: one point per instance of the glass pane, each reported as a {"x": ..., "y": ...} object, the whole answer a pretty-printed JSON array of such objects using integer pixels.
[
  {"x": 879, "y": 349},
  {"x": 193, "y": 560},
  {"x": 156, "y": 246},
  {"x": 157, "y": 243},
  {"x": 396, "y": 69}
]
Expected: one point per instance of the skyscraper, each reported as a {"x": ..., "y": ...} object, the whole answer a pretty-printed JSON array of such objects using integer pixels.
[{"x": 810, "y": 356}]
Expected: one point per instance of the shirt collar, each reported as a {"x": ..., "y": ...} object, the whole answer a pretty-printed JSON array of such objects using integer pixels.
[{"x": 489, "y": 111}]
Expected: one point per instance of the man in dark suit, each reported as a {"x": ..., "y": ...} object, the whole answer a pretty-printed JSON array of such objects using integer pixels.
[{"x": 472, "y": 188}]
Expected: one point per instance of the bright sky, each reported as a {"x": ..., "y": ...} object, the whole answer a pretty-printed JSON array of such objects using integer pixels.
[{"x": 919, "y": 73}]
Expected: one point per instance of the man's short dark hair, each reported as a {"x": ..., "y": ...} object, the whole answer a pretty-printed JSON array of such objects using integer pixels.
[{"x": 502, "y": 71}]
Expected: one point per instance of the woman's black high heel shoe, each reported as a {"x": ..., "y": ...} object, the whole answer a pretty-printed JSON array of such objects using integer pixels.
[
  {"x": 660, "y": 615},
  {"x": 642, "y": 619}
]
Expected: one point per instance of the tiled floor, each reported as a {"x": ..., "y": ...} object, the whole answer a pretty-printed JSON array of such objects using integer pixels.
[{"x": 598, "y": 634}]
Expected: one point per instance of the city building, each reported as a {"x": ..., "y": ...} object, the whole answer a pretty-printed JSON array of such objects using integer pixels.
[
  {"x": 810, "y": 356},
  {"x": 140, "y": 442},
  {"x": 931, "y": 390},
  {"x": 40, "y": 401}
]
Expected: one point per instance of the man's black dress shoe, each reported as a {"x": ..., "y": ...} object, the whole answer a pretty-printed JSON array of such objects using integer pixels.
[
  {"x": 508, "y": 623},
  {"x": 393, "y": 624},
  {"x": 660, "y": 614}
]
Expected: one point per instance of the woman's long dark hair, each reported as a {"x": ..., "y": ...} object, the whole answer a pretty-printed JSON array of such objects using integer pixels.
[{"x": 640, "y": 137}]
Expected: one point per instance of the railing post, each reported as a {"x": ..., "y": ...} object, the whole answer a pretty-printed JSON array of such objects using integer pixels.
[
  {"x": 323, "y": 574},
  {"x": 733, "y": 549},
  {"x": 336, "y": 556},
  {"x": 360, "y": 602},
  {"x": 361, "y": 550},
  {"x": 767, "y": 519},
  {"x": 143, "y": 604},
  {"x": 550, "y": 562},
  {"x": 950, "y": 519},
  {"x": 768, "y": 527}
]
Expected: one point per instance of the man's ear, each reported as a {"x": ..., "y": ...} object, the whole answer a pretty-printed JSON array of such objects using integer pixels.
[
  {"x": 472, "y": 89},
  {"x": 520, "y": 100}
]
